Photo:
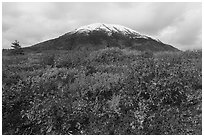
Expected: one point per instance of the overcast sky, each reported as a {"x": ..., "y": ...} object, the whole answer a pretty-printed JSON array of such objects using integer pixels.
[{"x": 178, "y": 24}]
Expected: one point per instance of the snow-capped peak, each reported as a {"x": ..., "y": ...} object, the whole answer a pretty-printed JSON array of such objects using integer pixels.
[{"x": 109, "y": 28}]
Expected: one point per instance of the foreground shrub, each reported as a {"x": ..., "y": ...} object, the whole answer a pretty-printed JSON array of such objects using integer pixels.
[
  {"x": 47, "y": 59},
  {"x": 71, "y": 59},
  {"x": 106, "y": 55},
  {"x": 146, "y": 95}
]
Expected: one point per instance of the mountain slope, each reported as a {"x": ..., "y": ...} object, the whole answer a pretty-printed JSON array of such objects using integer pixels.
[{"x": 100, "y": 35}]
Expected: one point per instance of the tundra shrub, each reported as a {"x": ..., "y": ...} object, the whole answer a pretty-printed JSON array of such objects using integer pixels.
[{"x": 106, "y": 93}]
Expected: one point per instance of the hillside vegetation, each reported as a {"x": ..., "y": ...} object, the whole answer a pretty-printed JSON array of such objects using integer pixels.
[
  {"x": 99, "y": 36},
  {"x": 109, "y": 91}
]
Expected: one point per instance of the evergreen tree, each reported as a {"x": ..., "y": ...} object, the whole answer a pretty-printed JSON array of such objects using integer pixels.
[{"x": 17, "y": 47}]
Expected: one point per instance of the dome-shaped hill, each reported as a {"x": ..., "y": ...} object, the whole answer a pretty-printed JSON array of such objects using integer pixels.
[{"x": 100, "y": 35}]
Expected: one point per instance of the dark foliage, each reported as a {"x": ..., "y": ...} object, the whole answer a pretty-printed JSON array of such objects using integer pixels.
[
  {"x": 109, "y": 91},
  {"x": 17, "y": 50}
]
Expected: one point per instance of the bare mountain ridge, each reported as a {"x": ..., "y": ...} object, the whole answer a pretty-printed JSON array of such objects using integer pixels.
[{"x": 100, "y": 35}]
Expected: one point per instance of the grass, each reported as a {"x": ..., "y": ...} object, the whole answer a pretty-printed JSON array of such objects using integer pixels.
[{"x": 109, "y": 91}]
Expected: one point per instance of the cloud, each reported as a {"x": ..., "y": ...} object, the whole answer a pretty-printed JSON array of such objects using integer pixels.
[
  {"x": 178, "y": 24},
  {"x": 186, "y": 33}
]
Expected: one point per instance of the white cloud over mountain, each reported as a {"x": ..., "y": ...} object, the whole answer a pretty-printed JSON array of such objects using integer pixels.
[{"x": 178, "y": 24}]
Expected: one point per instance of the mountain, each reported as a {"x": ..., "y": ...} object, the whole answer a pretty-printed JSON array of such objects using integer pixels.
[{"x": 100, "y": 35}]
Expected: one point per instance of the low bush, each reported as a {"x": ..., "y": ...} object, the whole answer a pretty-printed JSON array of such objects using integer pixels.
[
  {"x": 47, "y": 59},
  {"x": 110, "y": 91}
]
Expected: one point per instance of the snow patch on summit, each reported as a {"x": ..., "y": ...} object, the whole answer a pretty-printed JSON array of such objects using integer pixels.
[{"x": 109, "y": 28}]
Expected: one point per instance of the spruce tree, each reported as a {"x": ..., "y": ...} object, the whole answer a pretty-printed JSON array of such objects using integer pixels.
[{"x": 17, "y": 47}]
